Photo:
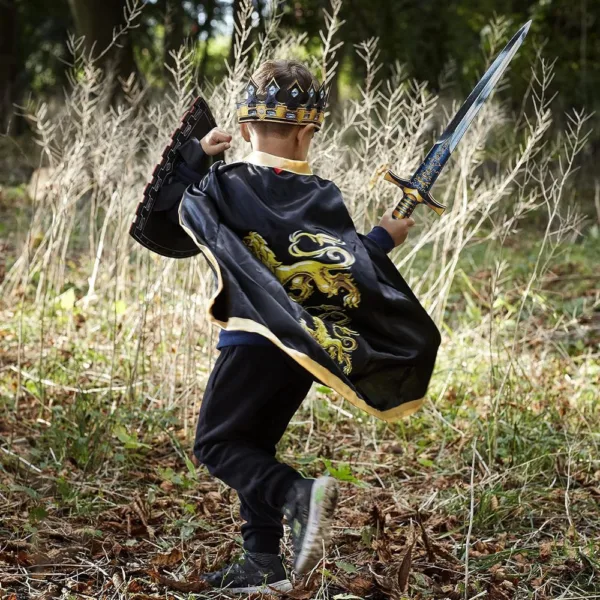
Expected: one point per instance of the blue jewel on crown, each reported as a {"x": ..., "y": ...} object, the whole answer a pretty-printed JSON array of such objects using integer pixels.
[
  {"x": 251, "y": 89},
  {"x": 311, "y": 98},
  {"x": 272, "y": 91}
]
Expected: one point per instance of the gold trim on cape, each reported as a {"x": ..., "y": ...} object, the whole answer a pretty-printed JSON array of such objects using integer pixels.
[
  {"x": 320, "y": 372},
  {"x": 263, "y": 159}
]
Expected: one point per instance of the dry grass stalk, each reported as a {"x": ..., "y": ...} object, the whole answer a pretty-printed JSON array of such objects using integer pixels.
[{"x": 99, "y": 157}]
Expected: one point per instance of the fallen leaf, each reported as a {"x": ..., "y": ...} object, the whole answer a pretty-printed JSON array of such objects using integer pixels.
[
  {"x": 167, "y": 559},
  {"x": 442, "y": 553},
  {"x": 117, "y": 581},
  {"x": 135, "y": 585},
  {"x": 498, "y": 573},
  {"x": 545, "y": 551},
  {"x": 179, "y": 586},
  {"x": 167, "y": 486},
  {"x": 360, "y": 586},
  {"x": 497, "y": 593},
  {"x": 299, "y": 594},
  {"x": 404, "y": 571},
  {"x": 426, "y": 541}
]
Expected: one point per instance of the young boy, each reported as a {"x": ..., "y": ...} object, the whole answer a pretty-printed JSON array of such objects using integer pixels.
[{"x": 300, "y": 297}]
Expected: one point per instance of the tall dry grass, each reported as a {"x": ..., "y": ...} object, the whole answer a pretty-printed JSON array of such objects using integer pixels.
[{"x": 82, "y": 289}]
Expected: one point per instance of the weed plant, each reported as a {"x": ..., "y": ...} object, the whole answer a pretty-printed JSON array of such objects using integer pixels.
[{"x": 490, "y": 492}]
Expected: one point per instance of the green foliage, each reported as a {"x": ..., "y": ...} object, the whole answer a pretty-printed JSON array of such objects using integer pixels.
[
  {"x": 427, "y": 37},
  {"x": 184, "y": 481},
  {"x": 130, "y": 441},
  {"x": 80, "y": 433},
  {"x": 346, "y": 567},
  {"x": 343, "y": 472}
]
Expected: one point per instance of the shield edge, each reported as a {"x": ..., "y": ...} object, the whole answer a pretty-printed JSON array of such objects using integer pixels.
[{"x": 197, "y": 120}]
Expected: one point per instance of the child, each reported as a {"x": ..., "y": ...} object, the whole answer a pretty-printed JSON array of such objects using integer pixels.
[{"x": 301, "y": 297}]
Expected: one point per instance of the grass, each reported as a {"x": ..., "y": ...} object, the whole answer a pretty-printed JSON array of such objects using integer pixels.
[
  {"x": 97, "y": 483},
  {"x": 491, "y": 491}
]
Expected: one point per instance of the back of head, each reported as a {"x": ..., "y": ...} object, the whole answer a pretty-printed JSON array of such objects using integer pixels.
[{"x": 285, "y": 72}]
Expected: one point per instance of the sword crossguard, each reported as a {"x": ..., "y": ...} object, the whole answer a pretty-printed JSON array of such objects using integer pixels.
[{"x": 411, "y": 197}]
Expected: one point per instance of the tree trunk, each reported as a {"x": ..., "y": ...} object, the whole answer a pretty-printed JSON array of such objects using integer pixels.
[
  {"x": 97, "y": 21},
  {"x": 174, "y": 29},
  {"x": 235, "y": 6},
  {"x": 9, "y": 58},
  {"x": 210, "y": 7},
  {"x": 260, "y": 9}
]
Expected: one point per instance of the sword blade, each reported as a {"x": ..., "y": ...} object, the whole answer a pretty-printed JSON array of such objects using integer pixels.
[
  {"x": 483, "y": 89},
  {"x": 429, "y": 170}
]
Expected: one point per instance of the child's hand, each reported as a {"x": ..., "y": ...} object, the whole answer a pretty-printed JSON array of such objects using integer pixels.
[
  {"x": 397, "y": 228},
  {"x": 215, "y": 142}
]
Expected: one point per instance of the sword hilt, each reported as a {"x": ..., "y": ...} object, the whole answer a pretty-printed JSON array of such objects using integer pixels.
[
  {"x": 411, "y": 197},
  {"x": 405, "y": 207}
]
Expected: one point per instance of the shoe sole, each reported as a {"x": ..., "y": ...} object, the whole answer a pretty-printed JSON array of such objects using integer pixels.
[
  {"x": 323, "y": 499},
  {"x": 279, "y": 586}
]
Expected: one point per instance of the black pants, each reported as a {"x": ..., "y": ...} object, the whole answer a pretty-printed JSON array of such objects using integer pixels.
[{"x": 251, "y": 396}]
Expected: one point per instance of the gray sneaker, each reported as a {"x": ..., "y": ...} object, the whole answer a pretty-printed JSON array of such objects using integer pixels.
[
  {"x": 254, "y": 573},
  {"x": 309, "y": 509}
]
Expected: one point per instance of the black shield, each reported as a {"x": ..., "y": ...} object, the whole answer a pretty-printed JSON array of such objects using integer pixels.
[{"x": 149, "y": 226}]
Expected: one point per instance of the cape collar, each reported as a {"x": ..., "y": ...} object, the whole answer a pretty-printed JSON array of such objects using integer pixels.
[{"x": 262, "y": 159}]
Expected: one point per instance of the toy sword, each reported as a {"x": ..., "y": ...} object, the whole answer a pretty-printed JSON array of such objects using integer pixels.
[{"x": 416, "y": 190}]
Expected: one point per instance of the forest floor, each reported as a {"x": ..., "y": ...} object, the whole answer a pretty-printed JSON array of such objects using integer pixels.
[
  {"x": 126, "y": 515},
  {"x": 99, "y": 497}
]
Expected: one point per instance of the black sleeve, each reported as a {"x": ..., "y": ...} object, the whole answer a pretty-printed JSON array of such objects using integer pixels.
[
  {"x": 382, "y": 238},
  {"x": 192, "y": 168}
]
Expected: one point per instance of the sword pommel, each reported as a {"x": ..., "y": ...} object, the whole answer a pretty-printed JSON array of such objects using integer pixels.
[{"x": 411, "y": 197}]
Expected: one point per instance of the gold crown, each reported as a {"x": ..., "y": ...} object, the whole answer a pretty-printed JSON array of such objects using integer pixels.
[{"x": 293, "y": 105}]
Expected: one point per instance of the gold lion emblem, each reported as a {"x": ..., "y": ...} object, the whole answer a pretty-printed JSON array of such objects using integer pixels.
[
  {"x": 339, "y": 344},
  {"x": 301, "y": 278}
]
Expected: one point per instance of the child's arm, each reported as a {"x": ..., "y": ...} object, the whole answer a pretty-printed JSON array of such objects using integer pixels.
[{"x": 192, "y": 169}]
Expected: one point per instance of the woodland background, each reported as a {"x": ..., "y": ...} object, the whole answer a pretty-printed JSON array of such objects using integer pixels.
[
  {"x": 428, "y": 37},
  {"x": 492, "y": 490}
]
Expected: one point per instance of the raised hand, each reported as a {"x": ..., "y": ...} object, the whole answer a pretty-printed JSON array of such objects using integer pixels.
[
  {"x": 397, "y": 228},
  {"x": 215, "y": 142}
]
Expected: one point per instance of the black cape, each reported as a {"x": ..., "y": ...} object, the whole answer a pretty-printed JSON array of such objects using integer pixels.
[{"x": 290, "y": 266}]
